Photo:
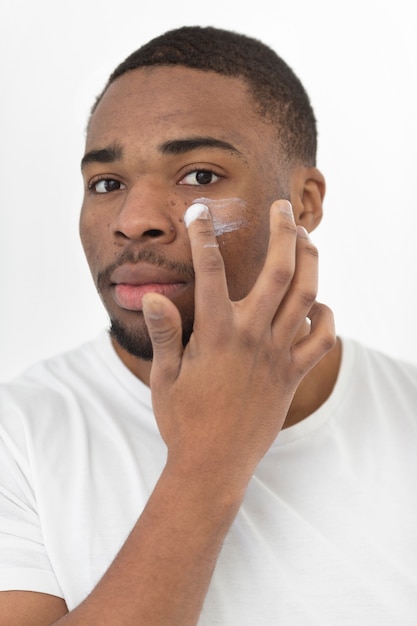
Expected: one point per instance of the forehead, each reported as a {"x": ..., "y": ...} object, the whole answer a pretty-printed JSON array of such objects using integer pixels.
[{"x": 164, "y": 101}]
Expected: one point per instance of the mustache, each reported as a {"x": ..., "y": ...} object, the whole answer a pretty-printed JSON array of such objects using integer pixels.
[{"x": 151, "y": 257}]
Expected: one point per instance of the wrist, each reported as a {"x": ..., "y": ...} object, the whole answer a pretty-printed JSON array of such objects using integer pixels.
[{"x": 208, "y": 488}]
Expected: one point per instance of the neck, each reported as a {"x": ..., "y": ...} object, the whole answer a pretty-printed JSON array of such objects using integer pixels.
[
  {"x": 141, "y": 369},
  {"x": 316, "y": 387}
]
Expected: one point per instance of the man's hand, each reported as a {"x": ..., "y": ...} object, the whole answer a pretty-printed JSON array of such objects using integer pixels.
[{"x": 222, "y": 400}]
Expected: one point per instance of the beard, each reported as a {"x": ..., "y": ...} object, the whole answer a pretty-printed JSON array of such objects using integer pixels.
[{"x": 136, "y": 341}]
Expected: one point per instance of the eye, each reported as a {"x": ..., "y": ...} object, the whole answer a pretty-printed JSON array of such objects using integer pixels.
[
  {"x": 199, "y": 177},
  {"x": 106, "y": 185}
]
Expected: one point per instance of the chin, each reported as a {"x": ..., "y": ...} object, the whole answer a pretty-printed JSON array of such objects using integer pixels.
[{"x": 136, "y": 341}]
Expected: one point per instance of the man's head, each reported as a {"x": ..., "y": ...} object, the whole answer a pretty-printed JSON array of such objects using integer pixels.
[
  {"x": 277, "y": 91},
  {"x": 197, "y": 113}
]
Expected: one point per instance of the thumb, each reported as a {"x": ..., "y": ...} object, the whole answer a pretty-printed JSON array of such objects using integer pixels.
[{"x": 163, "y": 322}]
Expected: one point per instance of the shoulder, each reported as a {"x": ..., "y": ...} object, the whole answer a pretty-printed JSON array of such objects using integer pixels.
[
  {"x": 379, "y": 365},
  {"x": 70, "y": 390},
  {"x": 381, "y": 384},
  {"x": 52, "y": 374},
  {"x": 52, "y": 388}
]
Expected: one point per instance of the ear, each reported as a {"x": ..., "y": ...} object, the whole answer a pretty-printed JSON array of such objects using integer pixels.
[{"x": 307, "y": 189}]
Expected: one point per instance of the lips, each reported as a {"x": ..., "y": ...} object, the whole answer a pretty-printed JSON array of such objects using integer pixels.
[
  {"x": 131, "y": 282},
  {"x": 129, "y": 297}
]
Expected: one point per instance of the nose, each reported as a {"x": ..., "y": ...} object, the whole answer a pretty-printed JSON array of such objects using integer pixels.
[{"x": 145, "y": 214}]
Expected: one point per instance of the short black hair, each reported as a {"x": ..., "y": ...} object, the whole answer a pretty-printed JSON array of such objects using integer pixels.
[{"x": 277, "y": 91}]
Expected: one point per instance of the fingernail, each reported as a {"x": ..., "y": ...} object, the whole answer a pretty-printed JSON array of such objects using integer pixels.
[
  {"x": 302, "y": 232},
  {"x": 151, "y": 307},
  {"x": 197, "y": 211},
  {"x": 285, "y": 206}
]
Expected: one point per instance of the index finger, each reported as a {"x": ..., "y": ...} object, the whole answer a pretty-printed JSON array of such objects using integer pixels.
[{"x": 211, "y": 292}]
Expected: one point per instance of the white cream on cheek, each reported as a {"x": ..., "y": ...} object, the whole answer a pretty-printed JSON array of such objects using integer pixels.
[{"x": 226, "y": 213}]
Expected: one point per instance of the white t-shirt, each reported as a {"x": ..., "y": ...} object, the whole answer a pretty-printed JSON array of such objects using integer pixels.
[{"x": 327, "y": 533}]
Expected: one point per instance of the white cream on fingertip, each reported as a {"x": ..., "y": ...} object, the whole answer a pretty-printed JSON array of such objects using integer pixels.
[{"x": 194, "y": 212}]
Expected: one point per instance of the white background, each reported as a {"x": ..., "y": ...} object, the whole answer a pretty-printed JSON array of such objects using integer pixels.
[{"x": 358, "y": 61}]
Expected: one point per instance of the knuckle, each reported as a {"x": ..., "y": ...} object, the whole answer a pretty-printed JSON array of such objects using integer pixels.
[
  {"x": 250, "y": 341},
  {"x": 163, "y": 335},
  {"x": 324, "y": 309},
  {"x": 311, "y": 249},
  {"x": 205, "y": 231},
  {"x": 307, "y": 297},
  {"x": 328, "y": 341},
  {"x": 288, "y": 226},
  {"x": 211, "y": 262},
  {"x": 282, "y": 275}
]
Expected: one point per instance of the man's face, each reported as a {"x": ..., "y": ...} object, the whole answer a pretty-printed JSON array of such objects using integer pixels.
[{"x": 160, "y": 139}]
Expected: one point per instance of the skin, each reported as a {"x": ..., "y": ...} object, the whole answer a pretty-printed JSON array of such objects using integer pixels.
[{"x": 253, "y": 364}]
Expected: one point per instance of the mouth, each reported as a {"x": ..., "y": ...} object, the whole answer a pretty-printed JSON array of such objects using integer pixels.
[
  {"x": 129, "y": 296},
  {"x": 130, "y": 282}
]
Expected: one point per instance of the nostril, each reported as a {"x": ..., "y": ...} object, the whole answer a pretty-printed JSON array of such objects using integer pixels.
[{"x": 153, "y": 232}]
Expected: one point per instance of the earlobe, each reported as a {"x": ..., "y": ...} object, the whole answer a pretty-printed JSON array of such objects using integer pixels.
[{"x": 307, "y": 192}]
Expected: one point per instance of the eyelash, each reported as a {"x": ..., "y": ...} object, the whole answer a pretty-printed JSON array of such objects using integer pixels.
[
  {"x": 197, "y": 171},
  {"x": 93, "y": 184}
]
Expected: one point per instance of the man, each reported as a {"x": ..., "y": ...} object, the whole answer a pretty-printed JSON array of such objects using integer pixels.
[{"x": 219, "y": 457}]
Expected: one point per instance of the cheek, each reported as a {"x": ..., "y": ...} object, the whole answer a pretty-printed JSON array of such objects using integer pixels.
[
  {"x": 244, "y": 255},
  {"x": 84, "y": 226},
  {"x": 91, "y": 237}
]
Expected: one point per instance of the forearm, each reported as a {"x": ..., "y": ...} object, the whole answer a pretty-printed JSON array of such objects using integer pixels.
[{"x": 161, "y": 575}]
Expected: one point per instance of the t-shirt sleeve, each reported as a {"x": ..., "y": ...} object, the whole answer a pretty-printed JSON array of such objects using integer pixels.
[{"x": 24, "y": 563}]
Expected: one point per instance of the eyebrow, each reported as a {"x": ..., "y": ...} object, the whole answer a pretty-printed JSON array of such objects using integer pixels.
[
  {"x": 181, "y": 146},
  {"x": 114, "y": 152},
  {"x": 109, "y": 154}
]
